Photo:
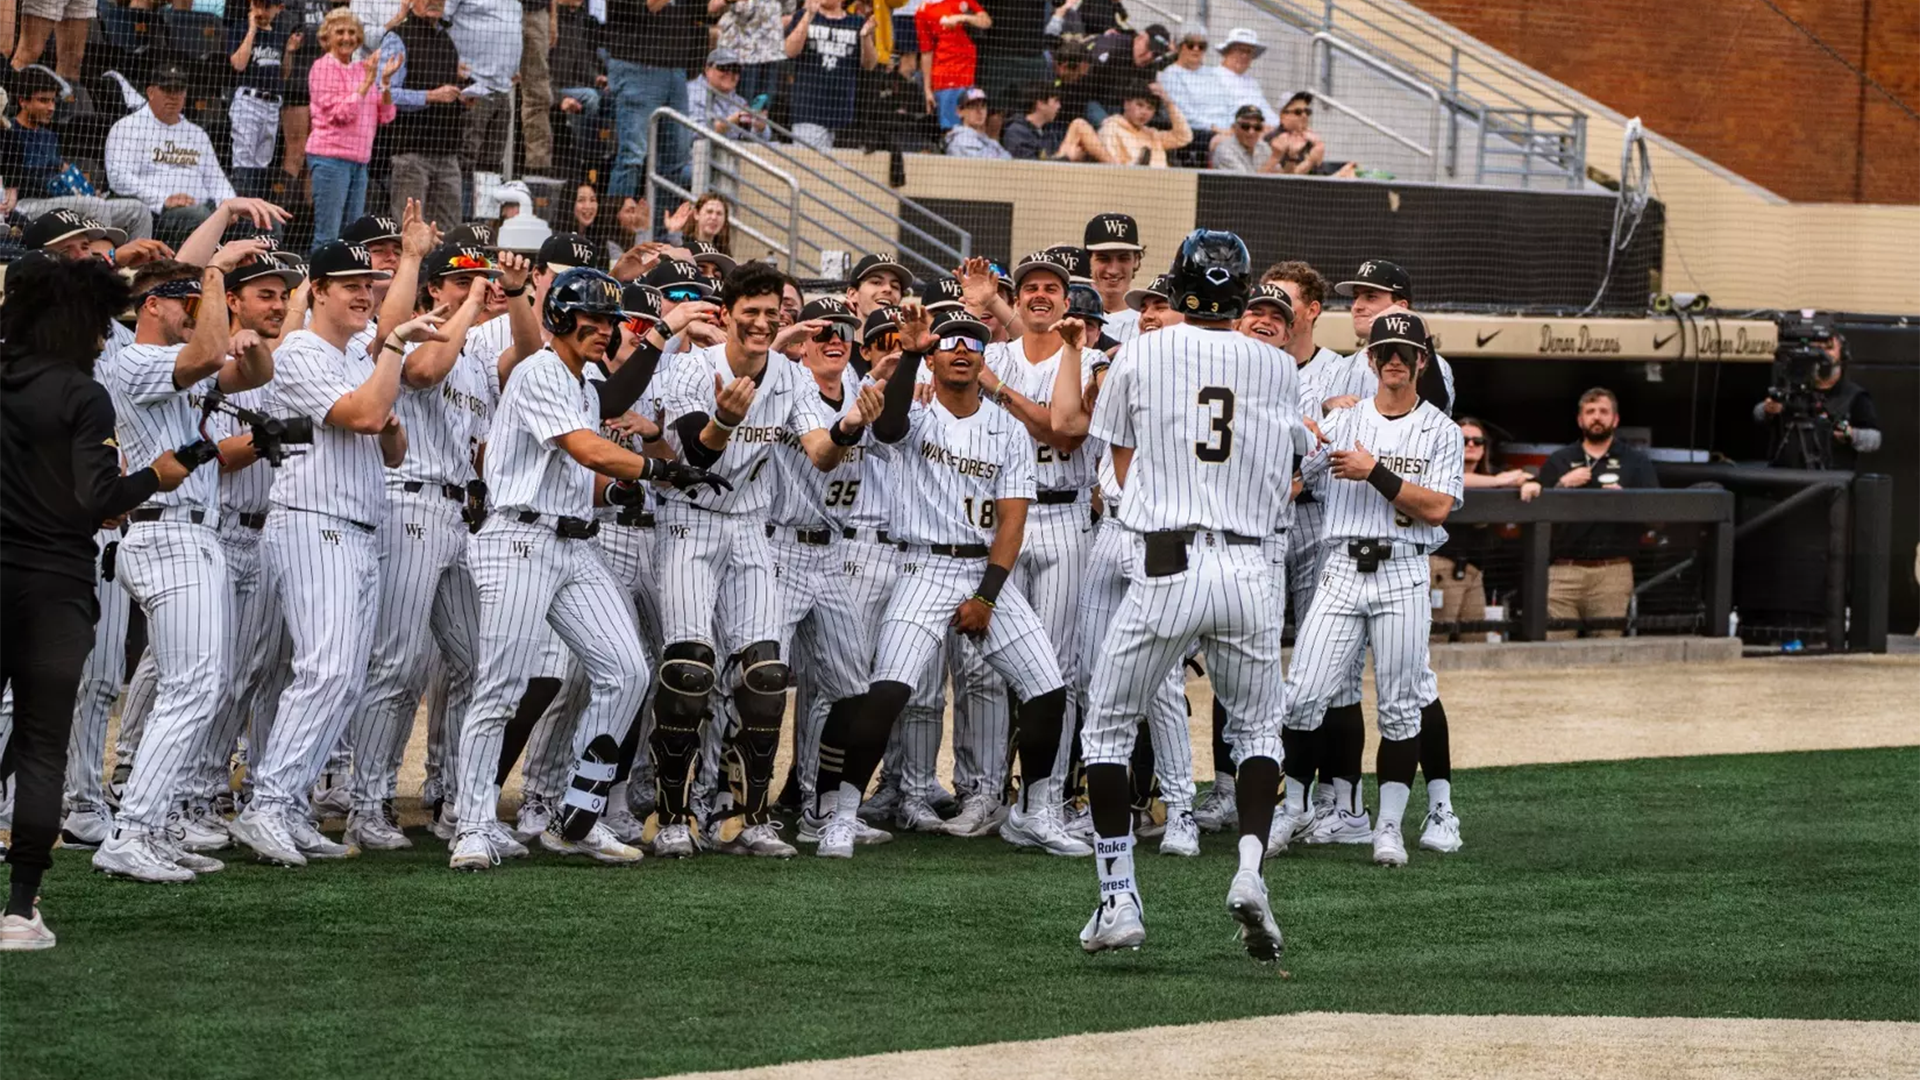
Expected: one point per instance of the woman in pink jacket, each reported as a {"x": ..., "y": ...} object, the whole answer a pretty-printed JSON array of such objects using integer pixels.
[{"x": 346, "y": 113}]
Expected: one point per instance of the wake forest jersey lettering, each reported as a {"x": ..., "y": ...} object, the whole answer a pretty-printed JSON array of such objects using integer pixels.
[
  {"x": 949, "y": 470},
  {"x": 444, "y": 423},
  {"x": 1423, "y": 447},
  {"x": 1213, "y": 418},
  {"x": 786, "y": 405}
]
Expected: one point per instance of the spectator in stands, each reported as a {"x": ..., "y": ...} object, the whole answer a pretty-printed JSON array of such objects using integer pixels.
[
  {"x": 39, "y": 177},
  {"x": 947, "y": 55},
  {"x": 1592, "y": 572},
  {"x": 1455, "y": 569},
  {"x": 256, "y": 53},
  {"x": 426, "y": 93},
  {"x": 970, "y": 139},
  {"x": 1083, "y": 18},
  {"x": 706, "y": 220},
  {"x": 67, "y": 21},
  {"x": 1128, "y": 138},
  {"x": 578, "y": 75},
  {"x": 1122, "y": 61},
  {"x": 890, "y": 111},
  {"x": 487, "y": 35},
  {"x": 536, "y": 84},
  {"x": 601, "y": 230},
  {"x": 653, "y": 48},
  {"x": 1240, "y": 150},
  {"x": 1237, "y": 87},
  {"x": 1192, "y": 86},
  {"x": 1035, "y": 136},
  {"x": 714, "y": 101},
  {"x": 166, "y": 161},
  {"x": 1297, "y": 148},
  {"x": 823, "y": 40},
  {"x": 1013, "y": 53},
  {"x": 378, "y": 18},
  {"x": 304, "y": 46},
  {"x": 347, "y": 110},
  {"x": 755, "y": 30},
  {"x": 1072, "y": 66}
]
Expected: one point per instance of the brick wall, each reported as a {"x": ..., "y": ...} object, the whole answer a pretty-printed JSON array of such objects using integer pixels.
[{"x": 1733, "y": 81}]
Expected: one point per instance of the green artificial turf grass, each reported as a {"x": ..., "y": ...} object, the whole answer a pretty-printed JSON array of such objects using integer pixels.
[{"x": 1762, "y": 886}]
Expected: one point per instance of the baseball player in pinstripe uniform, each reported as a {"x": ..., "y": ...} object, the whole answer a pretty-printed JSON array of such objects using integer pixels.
[
  {"x": 1203, "y": 425},
  {"x": 170, "y": 562},
  {"x": 1390, "y": 473},
  {"x": 962, "y": 484},
  {"x": 1114, "y": 255}
]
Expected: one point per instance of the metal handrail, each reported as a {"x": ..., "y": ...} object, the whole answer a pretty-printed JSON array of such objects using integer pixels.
[
  {"x": 1329, "y": 43},
  {"x": 656, "y": 182}
]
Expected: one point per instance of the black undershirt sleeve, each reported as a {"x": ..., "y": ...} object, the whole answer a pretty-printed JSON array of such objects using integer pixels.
[
  {"x": 891, "y": 426},
  {"x": 621, "y": 389},
  {"x": 697, "y": 453}
]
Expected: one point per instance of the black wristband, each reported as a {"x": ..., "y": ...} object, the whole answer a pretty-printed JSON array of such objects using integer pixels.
[
  {"x": 990, "y": 583},
  {"x": 515, "y": 292},
  {"x": 843, "y": 437},
  {"x": 1385, "y": 481}
]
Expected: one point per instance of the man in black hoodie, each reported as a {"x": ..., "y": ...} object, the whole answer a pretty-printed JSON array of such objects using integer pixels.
[{"x": 59, "y": 479}]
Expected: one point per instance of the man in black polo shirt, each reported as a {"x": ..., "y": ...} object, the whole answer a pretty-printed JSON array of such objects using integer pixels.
[{"x": 1592, "y": 572}]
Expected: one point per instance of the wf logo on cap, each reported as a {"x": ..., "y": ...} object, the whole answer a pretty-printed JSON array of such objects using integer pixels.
[
  {"x": 1366, "y": 269},
  {"x": 387, "y": 224},
  {"x": 1399, "y": 324},
  {"x": 1116, "y": 226}
]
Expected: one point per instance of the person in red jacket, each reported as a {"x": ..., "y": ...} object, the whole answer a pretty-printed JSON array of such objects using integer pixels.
[{"x": 947, "y": 53}]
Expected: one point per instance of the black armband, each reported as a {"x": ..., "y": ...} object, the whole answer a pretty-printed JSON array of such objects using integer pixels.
[
  {"x": 842, "y": 437},
  {"x": 1385, "y": 481},
  {"x": 515, "y": 292},
  {"x": 990, "y": 583}
]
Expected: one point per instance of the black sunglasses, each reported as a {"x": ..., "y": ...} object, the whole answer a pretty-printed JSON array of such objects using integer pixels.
[
  {"x": 1251, "y": 126},
  {"x": 1476, "y": 440},
  {"x": 728, "y": 69},
  {"x": 1193, "y": 44},
  {"x": 1298, "y": 111},
  {"x": 833, "y": 330}
]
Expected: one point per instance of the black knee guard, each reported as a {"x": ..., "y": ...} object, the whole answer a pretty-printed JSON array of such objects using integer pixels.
[
  {"x": 1343, "y": 742},
  {"x": 760, "y": 697},
  {"x": 1436, "y": 754},
  {"x": 587, "y": 795},
  {"x": 679, "y": 705}
]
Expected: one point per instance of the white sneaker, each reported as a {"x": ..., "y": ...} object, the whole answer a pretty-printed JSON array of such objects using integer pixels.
[
  {"x": 673, "y": 842},
  {"x": 1321, "y": 801},
  {"x": 1182, "y": 836},
  {"x": 599, "y": 844},
  {"x": 837, "y": 838},
  {"x": 1078, "y": 823},
  {"x": 202, "y": 829},
  {"x": 18, "y": 934},
  {"x": 942, "y": 800},
  {"x": 86, "y": 827},
  {"x": 1150, "y": 821},
  {"x": 504, "y": 845},
  {"x": 474, "y": 850},
  {"x": 622, "y": 824},
  {"x": 266, "y": 834},
  {"x": 761, "y": 841},
  {"x": 1115, "y": 925},
  {"x": 915, "y": 815},
  {"x": 1388, "y": 848},
  {"x": 1339, "y": 827},
  {"x": 170, "y": 847},
  {"x": 1217, "y": 810},
  {"x": 1247, "y": 903},
  {"x": 864, "y": 835},
  {"x": 1286, "y": 829},
  {"x": 444, "y": 824},
  {"x": 139, "y": 856},
  {"x": 312, "y": 842},
  {"x": 981, "y": 814},
  {"x": 536, "y": 813},
  {"x": 371, "y": 831},
  {"x": 1041, "y": 829},
  {"x": 882, "y": 805},
  {"x": 1442, "y": 833},
  {"x": 331, "y": 797}
]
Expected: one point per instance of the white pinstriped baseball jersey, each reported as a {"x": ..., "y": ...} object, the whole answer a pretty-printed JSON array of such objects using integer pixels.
[
  {"x": 1214, "y": 419},
  {"x": 949, "y": 470},
  {"x": 807, "y": 498},
  {"x": 525, "y": 466},
  {"x": 248, "y": 490},
  {"x": 1123, "y": 325},
  {"x": 596, "y": 373},
  {"x": 444, "y": 422},
  {"x": 786, "y": 406},
  {"x": 154, "y": 416},
  {"x": 1313, "y": 380},
  {"x": 1052, "y": 471},
  {"x": 1353, "y": 377},
  {"x": 118, "y": 337},
  {"x": 1424, "y": 447},
  {"x": 342, "y": 473},
  {"x": 485, "y": 343}
]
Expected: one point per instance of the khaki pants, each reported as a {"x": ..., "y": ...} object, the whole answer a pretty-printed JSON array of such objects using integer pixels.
[
  {"x": 1462, "y": 599},
  {"x": 1588, "y": 592},
  {"x": 536, "y": 92}
]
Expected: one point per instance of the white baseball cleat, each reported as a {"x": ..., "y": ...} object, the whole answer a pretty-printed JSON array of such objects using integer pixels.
[
  {"x": 1442, "y": 833},
  {"x": 312, "y": 842},
  {"x": 882, "y": 805},
  {"x": 140, "y": 856},
  {"x": 1115, "y": 925},
  {"x": 762, "y": 840},
  {"x": 837, "y": 838},
  {"x": 981, "y": 814},
  {"x": 536, "y": 813},
  {"x": 915, "y": 815},
  {"x": 1041, "y": 829},
  {"x": 673, "y": 842},
  {"x": 86, "y": 827},
  {"x": 168, "y": 844},
  {"x": 331, "y": 797},
  {"x": 864, "y": 835},
  {"x": 599, "y": 844},
  {"x": 265, "y": 832},
  {"x": 942, "y": 800},
  {"x": 1078, "y": 823},
  {"x": 1286, "y": 829},
  {"x": 203, "y": 829},
  {"x": 504, "y": 844},
  {"x": 1388, "y": 848},
  {"x": 1339, "y": 827},
  {"x": 1182, "y": 836},
  {"x": 371, "y": 831},
  {"x": 21, "y": 934},
  {"x": 1247, "y": 903},
  {"x": 1217, "y": 810},
  {"x": 473, "y": 850},
  {"x": 445, "y": 824},
  {"x": 622, "y": 824}
]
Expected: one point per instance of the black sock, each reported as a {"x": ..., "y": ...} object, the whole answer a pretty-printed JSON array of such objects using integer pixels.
[
  {"x": 1140, "y": 768},
  {"x": 1255, "y": 795},
  {"x": 21, "y": 894},
  {"x": 1303, "y": 753},
  {"x": 1436, "y": 756},
  {"x": 1396, "y": 760},
  {"x": 1222, "y": 753},
  {"x": 1343, "y": 742},
  {"x": 870, "y": 723},
  {"x": 629, "y": 748},
  {"x": 833, "y": 750},
  {"x": 539, "y": 694},
  {"x": 1038, "y": 724},
  {"x": 1107, "y": 800}
]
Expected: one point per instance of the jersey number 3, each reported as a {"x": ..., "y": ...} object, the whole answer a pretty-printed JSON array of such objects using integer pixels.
[{"x": 1218, "y": 401}]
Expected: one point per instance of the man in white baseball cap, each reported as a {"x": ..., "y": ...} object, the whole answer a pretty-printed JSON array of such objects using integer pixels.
[{"x": 1237, "y": 53}]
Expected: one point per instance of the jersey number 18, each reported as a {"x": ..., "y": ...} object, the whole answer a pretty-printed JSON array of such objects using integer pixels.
[{"x": 981, "y": 515}]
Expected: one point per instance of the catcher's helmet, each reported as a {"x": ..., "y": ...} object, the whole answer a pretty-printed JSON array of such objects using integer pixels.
[
  {"x": 581, "y": 291},
  {"x": 1210, "y": 275}
]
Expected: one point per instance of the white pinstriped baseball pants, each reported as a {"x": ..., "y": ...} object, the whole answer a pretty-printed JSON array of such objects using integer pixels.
[
  {"x": 177, "y": 573},
  {"x": 832, "y": 601},
  {"x": 930, "y": 590},
  {"x": 99, "y": 689},
  {"x": 256, "y": 633},
  {"x": 1053, "y": 559},
  {"x": 1224, "y": 600},
  {"x": 530, "y": 580},
  {"x": 1390, "y": 609},
  {"x": 716, "y": 579}
]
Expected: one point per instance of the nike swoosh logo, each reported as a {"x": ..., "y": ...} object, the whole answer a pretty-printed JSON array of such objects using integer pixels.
[
  {"x": 1480, "y": 340},
  {"x": 1659, "y": 341}
]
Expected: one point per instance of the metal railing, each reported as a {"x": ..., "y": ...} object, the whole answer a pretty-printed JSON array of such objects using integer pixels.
[
  {"x": 1326, "y": 45},
  {"x": 754, "y": 218}
]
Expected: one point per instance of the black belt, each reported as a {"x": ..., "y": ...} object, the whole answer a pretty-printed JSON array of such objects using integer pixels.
[
  {"x": 155, "y": 513},
  {"x": 361, "y": 525},
  {"x": 635, "y": 519},
  {"x": 252, "y": 521},
  {"x": 566, "y": 528},
  {"x": 1305, "y": 498},
  {"x": 1056, "y": 498},
  {"x": 1166, "y": 549},
  {"x": 1185, "y": 536},
  {"x": 453, "y": 492},
  {"x": 263, "y": 95},
  {"x": 852, "y": 533},
  {"x": 960, "y": 551},
  {"x": 820, "y": 537}
]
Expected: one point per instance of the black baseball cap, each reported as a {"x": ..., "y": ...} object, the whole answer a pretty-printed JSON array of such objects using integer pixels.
[
  {"x": 167, "y": 75},
  {"x": 337, "y": 258},
  {"x": 960, "y": 324},
  {"x": 641, "y": 300},
  {"x": 1159, "y": 286},
  {"x": 564, "y": 251},
  {"x": 1271, "y": 294},
  {"x": 942, "y": 294},
  {"x": 830, "y": 308},
  {"x": 886, "y": 261},
  {"x": 1052, "y": 260},
  {"x": 269, "y": 264},
  {"x": 1113, "y": 232},
  {"x": 372, "y": 229},
  {"x": 705, "y": 252},
  {"x": 477, "y": 233},
  {"x": 450, "y": 258},
  {"x": 54, "y": 226},
  {"x": 1250, "y": 112},
  {"x": 879, "y": 321},
  {"x": 1079, "y": 264},
  {"x": 680, "y": 274},
  {"x": 1379, "y": 274},
  {"x": 1399, "y": 327}
]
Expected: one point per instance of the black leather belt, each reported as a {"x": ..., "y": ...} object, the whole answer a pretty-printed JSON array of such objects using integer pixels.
[
  {"x": 852, "y": 533},
  {"x": 820, "y": 537},
  {"x": 252, "y": 521},
  {"x": 263, "y": 95},
  {"x": 453, "y": 492},
  {"x": 361, "y": 525},
  {"x": 1056, "y": 498},
  {"x": 960, "y": 551},
  {"x": 155, "y": 513},
  {"x": 1185, "y": 536},
  {"x": 635, "y": 519},
  {"x": 566, "y": 528}
]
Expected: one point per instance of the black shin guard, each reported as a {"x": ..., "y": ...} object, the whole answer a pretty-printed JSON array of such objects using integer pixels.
[
  {"x": 586, "y": 797},
  {"x": 1436, "y": 756},
  {"x": 1343, "y": 743},
  {"x": 1222, "y": 753},
  {"x": 1107, "y": 800},
  {"x": 1256, "y": 792},
  {"x": 1396, "y": 760},
  {"x": 533, "y": 704},
  {"x": 1038, "y": 727},
  {"x": 680, "y": 706}
]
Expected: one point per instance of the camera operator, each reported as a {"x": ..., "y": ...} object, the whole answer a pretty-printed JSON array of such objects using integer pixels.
[
  {"x": 59, "y": 479},
  {"x": 1844, "y": 421}
]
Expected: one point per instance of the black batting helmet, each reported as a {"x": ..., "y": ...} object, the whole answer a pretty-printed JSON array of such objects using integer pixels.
[
  {"x": 581, "y": 291},
  {"x": 1210, "y": 275},
  {"x": 1084, "y": 303}
]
